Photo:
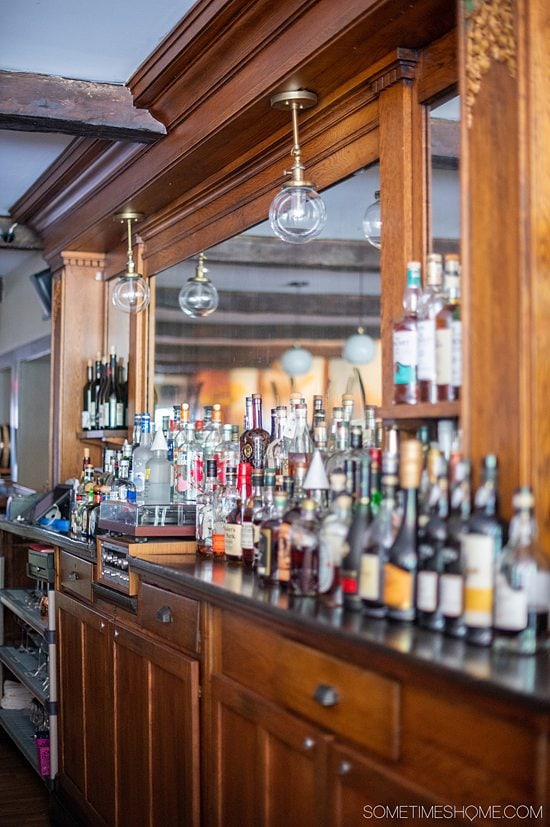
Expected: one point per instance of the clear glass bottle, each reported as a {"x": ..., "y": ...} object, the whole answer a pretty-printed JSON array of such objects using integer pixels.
[
  {"x": 233, "y": 528},
  {"x": 402, "y": 563},
  {"x": 300, "y": 444},
  {"x": 140, "y": 457},
  {"x": 205, "y": 510},
  {"x": 333, "y": 533},
  {"x": 448, "y": 335},
  {"x": 122, "y": 488},
  {"x": 158, "y": 473},
  {"x": 481, "y": 546},
  {"x": 405, "y": 341},
  {"x": 522, "y": 584},
  {"x": 185, "y": 489},
  {"x": 224, "y": 503},
  {"x": 253, "y": 505},
  {"x": 432, "y": 302},
  {"x": 277, "y": 451}
]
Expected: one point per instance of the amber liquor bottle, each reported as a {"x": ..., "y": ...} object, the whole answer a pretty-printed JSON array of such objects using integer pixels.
[
  {"x": 405, "y": 341},
  {"x": 401, "y": 566}
]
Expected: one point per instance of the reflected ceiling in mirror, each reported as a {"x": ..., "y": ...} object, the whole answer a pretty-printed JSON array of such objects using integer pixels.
[{"x": 273, "y": 296}]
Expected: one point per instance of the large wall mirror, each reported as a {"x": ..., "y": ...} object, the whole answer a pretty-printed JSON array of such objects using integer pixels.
[
  {"x": 274, "y": 296},
  {"x": 444, "y": 143}
]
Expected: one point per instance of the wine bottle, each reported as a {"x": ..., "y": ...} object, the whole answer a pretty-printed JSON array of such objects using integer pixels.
[
  {"x": 351, "y": 561},
  {"x": 401, "y": 566},
  {"x": 95, "y": 393},
  {"x": 87, "y": 411}
]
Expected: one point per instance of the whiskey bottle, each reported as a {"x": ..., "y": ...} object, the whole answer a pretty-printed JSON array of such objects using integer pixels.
[
  {"x": 448, "y": 336},
  {"x": 481, "y": 545},
  {"x": 521, "y": 589},
  {"x": 405, "y": 341},
  {"x": 431, "y": 555},
  {"x": 268, "y": 560},
  {"x": 432, "y": 302},
  {"x": 401, "y": 566},
  {"x": 254, "y": 440}
]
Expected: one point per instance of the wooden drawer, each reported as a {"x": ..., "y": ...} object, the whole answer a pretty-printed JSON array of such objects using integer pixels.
[
  {"x": 170, "y": 616},
  {"x": 75, "y": 575},
  {"x": 355, "y": 703}
]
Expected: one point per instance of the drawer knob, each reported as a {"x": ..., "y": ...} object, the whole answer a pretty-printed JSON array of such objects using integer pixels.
[
  {"x": 344, "y": 768},
  {"x": 72, "y": 576},
  {"x": 326, "y": 695},
  {"x": 164, "y": 615},
  {"x": 309, "y": 743}
]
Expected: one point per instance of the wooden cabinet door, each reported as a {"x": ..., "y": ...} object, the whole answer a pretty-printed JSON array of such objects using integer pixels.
[
  {"x": 86, "y": 765},
  {"x": 268, "y": 766},
  {"x": 156, "y": 702},
  {"x": 364, "y": 791}
]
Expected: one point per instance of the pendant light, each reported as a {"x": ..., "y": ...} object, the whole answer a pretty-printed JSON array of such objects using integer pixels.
[
  {"x": 359, "y": 348},
  {"x": 131, "y": 293},
  {"x": 372, "y": 222},
  {"x": 297, "y": 213},
  {"x": 198, "y": 297},
  {"x": 296, "y": 361}
]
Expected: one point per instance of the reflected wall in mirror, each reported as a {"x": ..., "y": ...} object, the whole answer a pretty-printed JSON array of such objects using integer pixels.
[
  {"x": 272, "y": 297},
  {"x": 444, "y": 143}
]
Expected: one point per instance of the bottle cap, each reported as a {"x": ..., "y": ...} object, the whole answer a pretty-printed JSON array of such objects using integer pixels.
[{"x": 159, "y": 442}]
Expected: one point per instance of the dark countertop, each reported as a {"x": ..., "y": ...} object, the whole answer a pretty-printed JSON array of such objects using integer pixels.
[{"x": 524, "y": 679}]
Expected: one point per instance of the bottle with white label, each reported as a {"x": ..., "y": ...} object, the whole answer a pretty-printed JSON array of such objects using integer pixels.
[
  {"x": 405, "y": 341},
  {"x": 452, "y": 578},
  {"x": 431, "y": 554},
  {"x": 521, "y": 589},
  {"x": 433, "y": 300},
  {"x": 481, "y": 546},
  {"x": 448, "y": 336}
]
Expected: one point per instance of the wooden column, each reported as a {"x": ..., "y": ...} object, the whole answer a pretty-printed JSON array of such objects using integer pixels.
[
  {"x": 77, "y": 334},
  {"x": 505, "y": 72}
]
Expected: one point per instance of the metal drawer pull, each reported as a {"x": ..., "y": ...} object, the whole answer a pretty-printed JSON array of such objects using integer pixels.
[
  {"x": 326, "y": 695},
  {"x": 309, "y": 743},
  {"x": 344, "y": 768},
  {"x": 72, "y": 576},
  {"x": 164, "y": 615}
]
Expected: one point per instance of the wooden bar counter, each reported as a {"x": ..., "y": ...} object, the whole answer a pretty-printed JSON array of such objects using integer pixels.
[{"x": 210, "y": 700}]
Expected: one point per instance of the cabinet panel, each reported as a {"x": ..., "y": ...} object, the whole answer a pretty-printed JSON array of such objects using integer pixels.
[
  {"x": 269, "y": 766},
  {"x": 171, "y": 616}
]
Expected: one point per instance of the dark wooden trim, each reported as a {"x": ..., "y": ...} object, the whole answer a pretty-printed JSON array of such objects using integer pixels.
[{"x": 45, "y": 103}]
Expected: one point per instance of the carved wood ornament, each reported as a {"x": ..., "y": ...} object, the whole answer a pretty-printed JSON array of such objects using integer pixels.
[{"x": 489, "y": 36}]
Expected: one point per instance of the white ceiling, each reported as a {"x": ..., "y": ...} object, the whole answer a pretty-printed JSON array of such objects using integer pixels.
[{"x": 100, "y": 41}]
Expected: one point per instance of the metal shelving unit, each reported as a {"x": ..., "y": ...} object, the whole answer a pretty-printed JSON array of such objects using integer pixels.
[{"x": 27, "y": 666}]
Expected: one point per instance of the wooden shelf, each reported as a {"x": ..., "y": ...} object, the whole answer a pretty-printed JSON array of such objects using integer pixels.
[
  {"x": 422, "y": 411},
  {"x": 108, "y": 437}
]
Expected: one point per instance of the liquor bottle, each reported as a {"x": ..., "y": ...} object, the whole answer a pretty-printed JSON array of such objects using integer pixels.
[
  {"x": 431, "y": 556},
  {"x": 123, "y": 489},
  {"x": 521, "y": 589},
  {"x": 333, "y": 533},
  {"x": 340, "y": 443},
  {"x": 84, "y": 494},
  {"x": 351, "y": 561},
  {"x": 267, "y": 568},
  {"x": 337, "y": 417},
  {"x": 378, "y": 540},
  {"x": 140, "y": 457},
  {"x": 157, "y": 472},
  {"x": 122, "y": 384},
  {"x": 432, "y": 302},
  {"x": 317, "y": 412},
  {"x": 249, "y": 539},
  {"x": 405, "y": 341},
  {"x": 91, "y": 514},
  {"x": 452, "y": 579},
  {"x": 254, "y": 440},
  {"x": 401, "y": 566},
  {"x": 294, "y": 487},
  {"x": 184, "y": 443},
  {"x": 224, "y": 503},
  {"x": 276, "y": 455},
  {"x": 87, "y": 408},
  {"x": 304, "y": 552},
  {"x": 95, "y": 392},
  {"x": 113, "y": 406},
  {"x": 299, "y": 444},
  {"x": 234, "y": 526},
  {"x": 481, "y": 546},
  {"x": 375, "y": 493},
  {"x": 101, "y": 394},
  {"x": 448, "y": 335},
  {"x": 263, "y": 510},
  {"x": 205, "y": 510}
]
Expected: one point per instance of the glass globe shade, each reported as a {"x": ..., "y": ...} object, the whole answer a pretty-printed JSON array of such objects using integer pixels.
[
  {"x": 297, "y": 213},
  {"x": 372, "y": 222},
  {"x": 131, "y": 294},
  {"x": 198, "y": 298},
  {"x": 296, "y": 361},
  {"x": 359, "y": 349}
]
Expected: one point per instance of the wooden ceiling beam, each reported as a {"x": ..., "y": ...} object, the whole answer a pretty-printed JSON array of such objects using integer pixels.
[{"x": 46, "y": 103}]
